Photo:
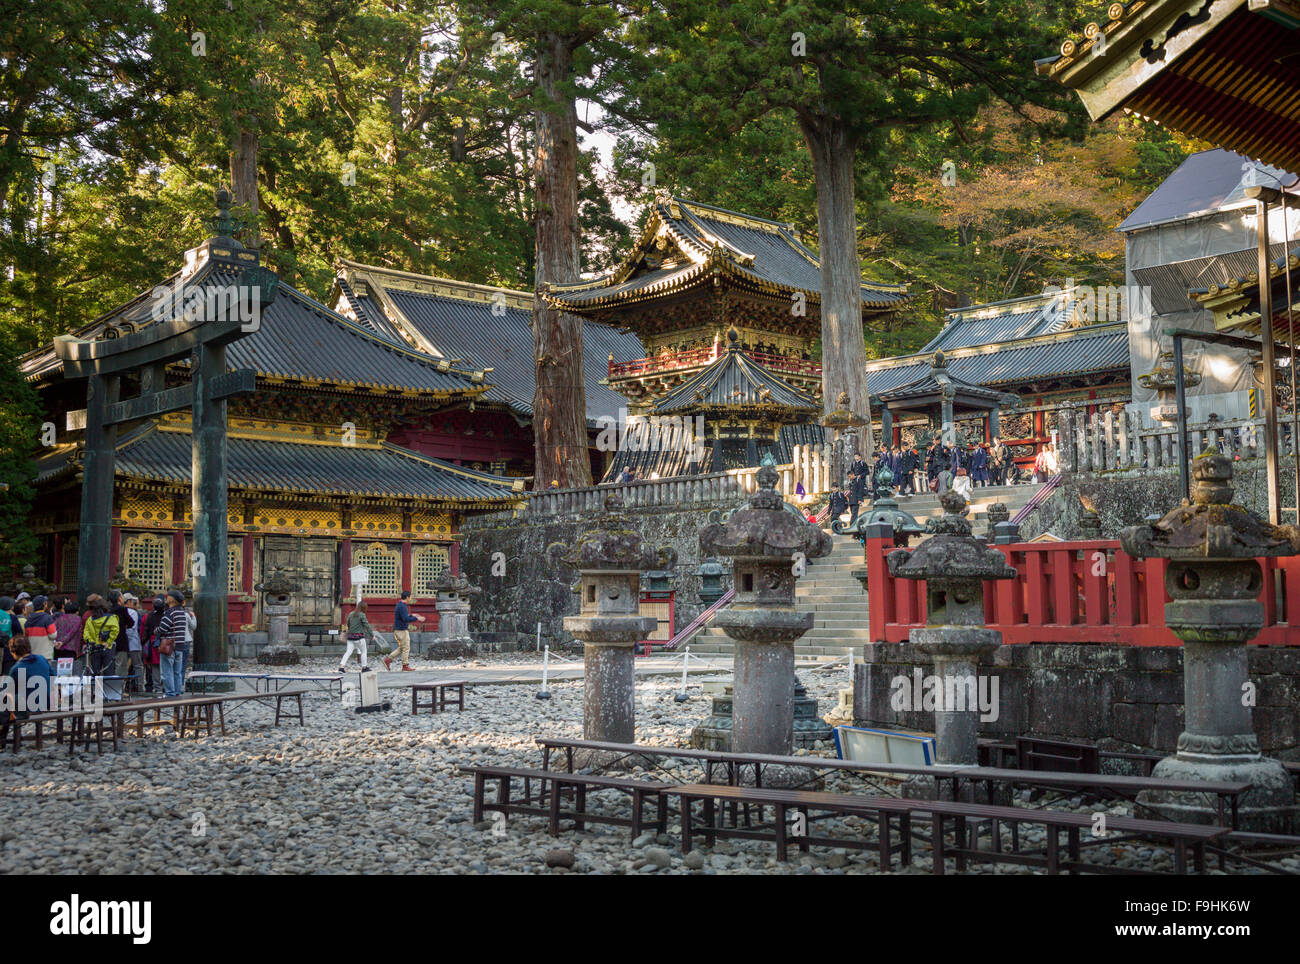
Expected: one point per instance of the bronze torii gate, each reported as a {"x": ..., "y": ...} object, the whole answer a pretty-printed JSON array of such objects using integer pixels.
[{"x": 148, "y": 351}]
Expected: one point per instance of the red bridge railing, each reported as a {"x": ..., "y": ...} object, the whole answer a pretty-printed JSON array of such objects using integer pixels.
[{"x": 1073, "y": 592}]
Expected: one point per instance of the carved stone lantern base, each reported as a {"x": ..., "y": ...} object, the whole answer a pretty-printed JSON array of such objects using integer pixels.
[
  {"x": 808, "y": 729},
  {"x": 278, "y": 652}
]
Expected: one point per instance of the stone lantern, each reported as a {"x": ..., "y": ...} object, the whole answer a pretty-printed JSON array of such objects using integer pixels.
[
  {"x": 1215, "y": 582},
  {"x": 453, "y": 603},
  {"x": 710, "y": 573},
  {"x": 1162, "y": 379},
  {"x": 277, "y": 591},
  {"x": 769, "y": 547},
  {"x": 954, "y": 565},
  {"x": 610, "y": 559}
]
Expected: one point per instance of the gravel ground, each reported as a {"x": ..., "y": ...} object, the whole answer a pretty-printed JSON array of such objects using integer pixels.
[{"x": 375, "y": 793}]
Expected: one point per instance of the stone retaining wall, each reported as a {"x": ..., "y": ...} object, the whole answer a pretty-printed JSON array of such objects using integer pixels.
[
  {"x": 1126, "y": 498},
  {"x": 1126, "y": 698},
  {"x": 533, "y": 590}
]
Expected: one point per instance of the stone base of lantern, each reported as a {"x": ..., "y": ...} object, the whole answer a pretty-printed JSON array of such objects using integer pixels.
[
  {"x": 278, "y": 652},
  {"x": 808, "y": 729},
  {"x": 1268, "y": 807},
  {"x": 609, "y": 679},
  {"x": 281, "y": 655}
]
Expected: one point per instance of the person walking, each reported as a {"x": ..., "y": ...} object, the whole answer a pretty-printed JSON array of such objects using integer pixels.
[
  {"x": 997, "y": 471},
  {"x": 171, "y": 637},
  {"x": 839, "y": 504},
  {"x": 907, "y": 469},
  {"x": 979, "y": 465},
  {"x": 99, "y": 637},
  {"x": 402, "y": 620},
  {"x": 359, "y": 632},
  {"x": 857, "y": 490}
]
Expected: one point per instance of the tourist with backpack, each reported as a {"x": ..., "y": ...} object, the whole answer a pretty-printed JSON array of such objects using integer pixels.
[{"x": 99, "y": 636}]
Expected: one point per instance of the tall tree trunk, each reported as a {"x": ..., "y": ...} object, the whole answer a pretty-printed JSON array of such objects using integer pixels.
[
  {"x": 844, "y": 351},
  {"x": 560, "y": 398},
  {"x": 243, "y": 177}
]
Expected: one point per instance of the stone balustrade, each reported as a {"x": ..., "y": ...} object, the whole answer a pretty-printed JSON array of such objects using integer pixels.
[{"x": 1119, "y": 442}]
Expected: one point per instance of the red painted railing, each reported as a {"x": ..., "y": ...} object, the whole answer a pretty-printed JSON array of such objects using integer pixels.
[
  {"x": 1072, "y": 592},
  {"x": 698, "y": 622}
]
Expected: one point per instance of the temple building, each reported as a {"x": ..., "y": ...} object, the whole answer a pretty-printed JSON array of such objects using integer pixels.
[
  {"x": 489, "y": 329},
  {"x": 334, "y": 461},
  {"x": 1003, "y": 369},
  {"x": 727, "y": 307}
]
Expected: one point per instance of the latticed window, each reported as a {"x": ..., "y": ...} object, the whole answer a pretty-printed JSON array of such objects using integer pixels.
[
  {"x": 68, "y": 575},
  {"x": 234, "y": 566},
  {"x": 150, "y": 559},
  {"x": 427, "y": 563},
  {"x": 385, "y": 565}
]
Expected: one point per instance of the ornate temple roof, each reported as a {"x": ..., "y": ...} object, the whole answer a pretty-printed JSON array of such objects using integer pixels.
[
  {"x": 298, "y": 340},
  {"x": 935, "y": 381},
  {"x": 1087, "y": 350},
  {"x": 1221, "y": 71},
  {"x": 485, "y": 326},
  {"x": 686, "y": 245},
  {"x": 735, "y": 382},
  {"x": 162, "y": 454},
  {"x": 999, "y": 321}
]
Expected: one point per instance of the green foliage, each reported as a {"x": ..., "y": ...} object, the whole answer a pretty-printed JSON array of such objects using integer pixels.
[{"x": 20, "y": 428}]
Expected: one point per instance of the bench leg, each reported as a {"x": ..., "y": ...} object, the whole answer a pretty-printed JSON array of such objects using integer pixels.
[
  {"x": 579, "y": 824},
  {"x": 936, "y": 841},
  {"x": 882, "y": 831},
  {"x": 1074, "y": 843},
  {"x": 997, "y": 836},
  {"x": 803, "y": 839},
  {"x": 554, "y": 825},
  {"x": 710, "y": 822},
  {"x": 780, "y": 832},
  {"x": 686, "y": 824},
  {"x": 959, "y": 842},
  {"x": 661, "y": 811},
  {"x": 479, "y": 780},
  {"x": 905, "y": 831},
  {"x": 1180, "y": 857},
  {"x": 38, "y": 734},
  {"x": 1053, "y": 857},
  {"x": 637, "y": 801},
  {"x": 1198, "y": 857}
]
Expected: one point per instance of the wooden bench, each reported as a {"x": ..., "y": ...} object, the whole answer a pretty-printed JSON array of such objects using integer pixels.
[
  {"x": 439, "y": 698},
  {"x": 739, "y": 766},
  {"x": 200, "y": 713},
  {"x": 547, "y": 802},
  {"x": 81, "y": 725},
  {"x": 940, "y": 814}
]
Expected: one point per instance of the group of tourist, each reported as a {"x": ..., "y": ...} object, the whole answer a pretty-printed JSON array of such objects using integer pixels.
[{"x": 113, "y": 636}]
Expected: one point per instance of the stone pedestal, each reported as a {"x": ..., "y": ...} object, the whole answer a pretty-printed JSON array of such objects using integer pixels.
[
  {"x": 277, "y": 603},
  {"x": 610, "y": 559},
  {"x": 1214, "y": 579},
  {"x": 770, "y": 548},
  {"x": 955, "y": 565},
  {"x": 808, "y": 729},
  {"x": 453, "y": 639}
]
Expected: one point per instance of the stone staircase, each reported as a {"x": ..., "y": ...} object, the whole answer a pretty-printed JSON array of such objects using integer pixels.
[{"x": 836, "y": 599}]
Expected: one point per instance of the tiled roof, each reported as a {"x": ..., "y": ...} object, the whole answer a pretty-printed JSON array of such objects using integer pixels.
[
  {"x": 387, "y": 471},
  {"x": 735, "y": 381},
  {"x": 927, "y": 384},
  {"x": 1005, "y": 320},
  {"x": 464, "y": 321},
  {"x": 755, "y": 252},
  {"x": 1092, "y": 349},
  {"x": 298, "y": 339},
  {"x": 1203, "y": 183}
]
